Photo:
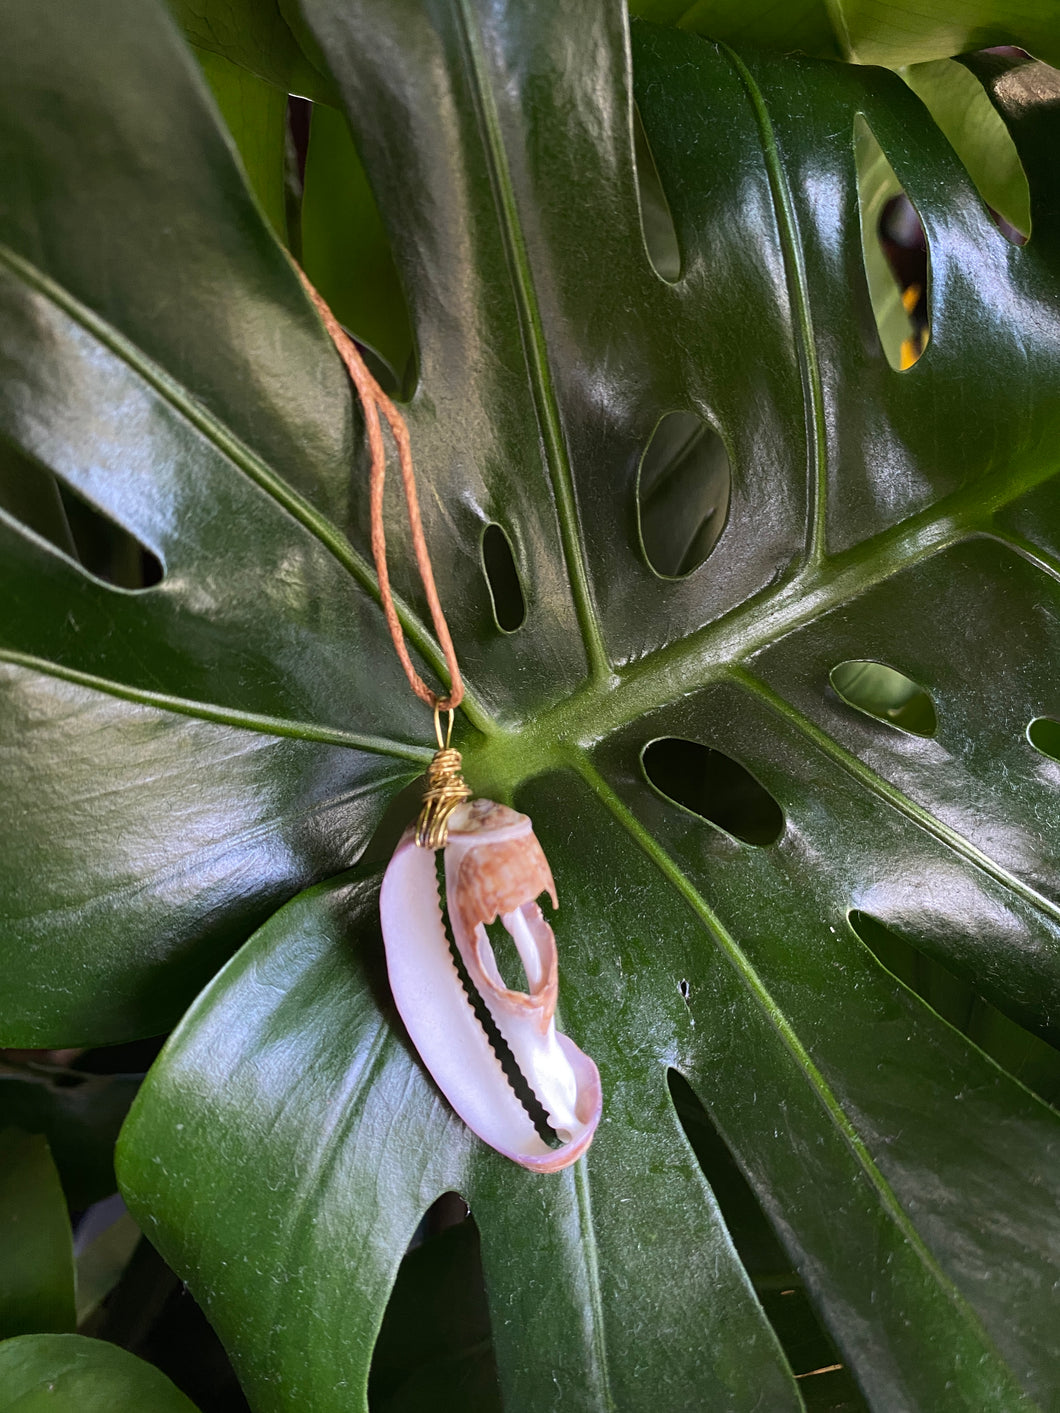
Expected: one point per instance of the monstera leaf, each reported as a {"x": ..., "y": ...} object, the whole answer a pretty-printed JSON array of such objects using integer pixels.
[
  {"x": 891, "y": 32},
  {"x": 734, "y": 809}
]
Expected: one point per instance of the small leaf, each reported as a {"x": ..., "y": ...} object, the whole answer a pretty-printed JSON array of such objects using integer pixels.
[
  {"x": 36, "y": 1254},
  {"x": 255, "y": 113},
  {"x": 960, "y": 105},
  {"x": 72, "y": 1374}
]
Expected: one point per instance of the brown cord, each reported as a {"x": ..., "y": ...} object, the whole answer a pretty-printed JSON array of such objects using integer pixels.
[{"x": 374, "y": 400}]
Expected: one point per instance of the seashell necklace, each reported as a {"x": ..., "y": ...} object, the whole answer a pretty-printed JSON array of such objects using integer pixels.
[{"x": 494, "y": 1052}]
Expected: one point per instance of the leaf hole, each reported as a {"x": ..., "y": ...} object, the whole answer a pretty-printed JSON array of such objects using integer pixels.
[
  {"x": 714, "y": 786},
  {"x": 1044, "y": 735},
  {"x": 685, "y": 990},
  {"x": 683, "y": 489},
  {"x": 347, "y": 254},
  {"x": 806, "y": 1343},
  {"x": 1026, "y": 1056},
  {"x": 894, "y": 245},
  {"x": 44, "y": 503},
  {"x": 435, "y": 1344},
  {"x": 506, "y": 956},
  {"x": 502, "y": 577},
  {"x": 656, "y": 222},
  {"x": 885, "y": 693},
  {"x": 444, "y": 1212}
]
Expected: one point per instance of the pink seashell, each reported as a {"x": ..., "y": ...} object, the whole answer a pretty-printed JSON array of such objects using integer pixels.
[{"x": 494, "y": 866}]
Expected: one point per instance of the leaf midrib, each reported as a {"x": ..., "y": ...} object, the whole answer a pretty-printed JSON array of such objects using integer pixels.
[{"x": 535, "y": 348}]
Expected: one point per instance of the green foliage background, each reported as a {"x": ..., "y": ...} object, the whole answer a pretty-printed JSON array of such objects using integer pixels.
[{"x": 207, "y": 758}]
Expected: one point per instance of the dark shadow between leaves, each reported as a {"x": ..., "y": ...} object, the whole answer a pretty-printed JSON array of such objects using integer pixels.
[
  {"x": 502, "y": 577},
  {"x": 714, "y": 786},
  {"x": 43, "y": 503},
  {"x": 683, "y": 489},
  {"x": 434, "y": 1351},
  {"x": 887, "y": 694},
  {"x": 153, "y": 1315},
  {"x": 823, "y": 1380},
  {"x": 1024, "y": 1055}
]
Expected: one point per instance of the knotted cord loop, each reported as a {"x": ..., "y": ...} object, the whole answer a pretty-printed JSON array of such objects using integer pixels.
[
  {"x": 374, "y": 400},
  {"x": 445, "y": 785}
]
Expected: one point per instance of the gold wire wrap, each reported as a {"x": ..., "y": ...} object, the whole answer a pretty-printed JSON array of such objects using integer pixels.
[{"x": 445, "y": 790}]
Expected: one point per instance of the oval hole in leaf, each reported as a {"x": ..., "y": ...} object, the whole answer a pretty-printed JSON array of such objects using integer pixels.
[
  {"x": 506, "y": 956},
  {"x": 1044, "y": 735},
  {"x": 435, "y": 1345},
  {"x": 506, "y": 592},
  {"x": 897, "y": 265},
  {"x": 38, "y": 499},
  {"x": 656, "y": 222},
  {"x": 806, "y": 1343},
  {"x": 1032, "y": 1060},
  {"x": 683, "y": 489},
  {"x": 714, "y": 786},
  {"x": 887, "y": 694}
]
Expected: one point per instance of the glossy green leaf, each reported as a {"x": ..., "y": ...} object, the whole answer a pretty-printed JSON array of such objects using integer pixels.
[
  {"x": 890, "y": 32},
  {"x": 255, "y": 35},
  {"x": 71, "y": 1374},
  {"x": 79, "y": 1114},
  {"x": 200, "y": 749},
  {"x": 36, "y": 1256},
  {"x": 583, "y": 1274},
  {"x": 255, "y": 113}
]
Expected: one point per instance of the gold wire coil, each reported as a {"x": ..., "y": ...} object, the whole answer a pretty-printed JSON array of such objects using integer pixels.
[{"x": 445, "y": 790}]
